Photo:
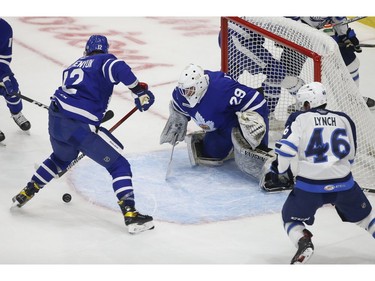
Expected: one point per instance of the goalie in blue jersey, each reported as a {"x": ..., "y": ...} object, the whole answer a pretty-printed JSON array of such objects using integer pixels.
[
  {"x": 218, "y": 104},
  {"x": 76, "y": 111}
]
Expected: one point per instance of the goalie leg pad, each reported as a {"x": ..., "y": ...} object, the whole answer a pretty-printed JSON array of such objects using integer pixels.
[
  {"x": 248, "y": 160},
  {"x": 195, "y": 146}
]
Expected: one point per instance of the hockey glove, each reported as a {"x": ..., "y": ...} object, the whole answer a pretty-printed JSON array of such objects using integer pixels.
[
  {"x": 352, "y": 40},
  {"x": 252, "y": 126},
  {"x": 278, "y": 182},
  {"x": 143, "y": 98},
  {"x": 10, "y": 84}
]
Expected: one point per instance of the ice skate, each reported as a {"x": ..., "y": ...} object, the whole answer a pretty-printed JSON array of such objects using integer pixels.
[
  {"x": 305, "y": 248},
  {"x": 21, "y": 121},
  {"x": 135, "y": 221},
  {"x": 26, "y": 194}
]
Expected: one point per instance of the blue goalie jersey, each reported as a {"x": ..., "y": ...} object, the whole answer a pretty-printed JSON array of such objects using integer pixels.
[{"x": 223, "y": 97}]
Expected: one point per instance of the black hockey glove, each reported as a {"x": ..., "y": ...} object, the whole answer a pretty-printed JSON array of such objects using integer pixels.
[
  {"x": 351, "y": 40},
  {"x": 278, "y": 182}
]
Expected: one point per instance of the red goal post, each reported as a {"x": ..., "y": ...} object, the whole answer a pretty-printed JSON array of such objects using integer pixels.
[
  {"x": 281, "y": 55},
  {"x": 224, "y": 44}
]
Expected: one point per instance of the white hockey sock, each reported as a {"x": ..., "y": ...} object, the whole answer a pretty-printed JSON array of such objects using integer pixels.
[{"x": 294, "y": 231}]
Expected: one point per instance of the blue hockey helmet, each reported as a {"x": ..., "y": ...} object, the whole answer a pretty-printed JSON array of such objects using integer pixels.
[{"x": 96, "y": 43}]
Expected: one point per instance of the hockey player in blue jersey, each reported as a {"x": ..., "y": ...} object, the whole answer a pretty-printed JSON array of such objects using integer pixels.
[
  {"x": 324, "y": 143},
  {"x": 75, "y": 114},
  {"x": 9, "y": 87},
  {"x": 217, "y": 103},
  {"x": 346, "y": 39}
]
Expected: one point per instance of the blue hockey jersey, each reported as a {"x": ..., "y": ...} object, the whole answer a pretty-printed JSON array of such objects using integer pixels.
[
  {"x": 223, "y": 98},
  {"x": 6, "y": 40},
  {"x": 87, "y": 86}
]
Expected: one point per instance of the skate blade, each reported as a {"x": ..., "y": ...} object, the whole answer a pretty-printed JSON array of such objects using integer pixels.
[
  {"x": 305, "y": 256},
  {"x": 138, "y": 228},
  {"x": 15, "y": 203}
]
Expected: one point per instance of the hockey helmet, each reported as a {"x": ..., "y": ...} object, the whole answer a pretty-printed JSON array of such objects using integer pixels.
[
  {"x": 314, "y": 93},
  {"x": 193, "y": 84},
  {"x": 96, "y": 43}
]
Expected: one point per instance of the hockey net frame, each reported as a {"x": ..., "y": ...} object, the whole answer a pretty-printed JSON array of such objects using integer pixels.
[{"x": 321, "y": 62}]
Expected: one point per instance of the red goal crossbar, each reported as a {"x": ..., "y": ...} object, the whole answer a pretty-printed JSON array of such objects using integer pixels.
[{"x": 224, "y": 44}]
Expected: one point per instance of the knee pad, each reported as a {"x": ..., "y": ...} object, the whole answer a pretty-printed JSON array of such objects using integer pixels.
[
  {"x": 120, "y": 167},
  {"x": 195, "y": 147}
]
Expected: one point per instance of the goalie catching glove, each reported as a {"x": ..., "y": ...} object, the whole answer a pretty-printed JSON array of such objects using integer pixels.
[
  {"x": 143, "y": 98},
  {"x": 175, "y": 128},
  {"x": 252, "y": 126}
]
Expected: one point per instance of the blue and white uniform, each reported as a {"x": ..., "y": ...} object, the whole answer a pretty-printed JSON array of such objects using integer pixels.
[
  {"x": 325, "y": 144},
  {"x": 14, "y": 103},
  {"x": 342, "y": 34},
  {"x": 88, "y": 85},
  {"x": 216, "y": 111},
  {"x": 75, "y": 113}
]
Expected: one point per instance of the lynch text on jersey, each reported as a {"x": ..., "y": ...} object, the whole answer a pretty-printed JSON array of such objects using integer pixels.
[{"x": 325, "y": 121}]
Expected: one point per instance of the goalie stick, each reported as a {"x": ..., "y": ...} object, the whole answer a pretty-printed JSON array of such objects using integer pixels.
[
  {"x": 169, "y": 169},
  {"x": 114, "y": 127}
]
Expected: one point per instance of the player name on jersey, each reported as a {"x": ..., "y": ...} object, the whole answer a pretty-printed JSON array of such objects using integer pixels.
[{"x": 325, "y": 121}]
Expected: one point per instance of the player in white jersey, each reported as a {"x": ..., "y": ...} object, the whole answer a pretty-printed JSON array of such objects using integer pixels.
[{"x": 324, "y": 143}]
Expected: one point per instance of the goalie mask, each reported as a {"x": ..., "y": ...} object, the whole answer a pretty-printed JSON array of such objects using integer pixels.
[
  {"x": 96, "y": 43},
  {"x": 314, "y": 93},
  {"x": 193, "y": 84}
]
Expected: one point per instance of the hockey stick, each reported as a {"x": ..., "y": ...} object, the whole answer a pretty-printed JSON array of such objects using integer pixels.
[
  {"x": 75, "y": 161},
  {"x": 349, "y": 21},
  {"x": 169, "y": 169},
  {"x": 32, "y": 101},
  {"x": 363, "y": 45}
]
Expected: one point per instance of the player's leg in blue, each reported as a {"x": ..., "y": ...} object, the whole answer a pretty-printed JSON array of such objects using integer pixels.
[{"x": 106, "y": 150}]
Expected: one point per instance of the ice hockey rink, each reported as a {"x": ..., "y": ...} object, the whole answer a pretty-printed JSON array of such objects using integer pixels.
[{"x": 216, "y": 217}]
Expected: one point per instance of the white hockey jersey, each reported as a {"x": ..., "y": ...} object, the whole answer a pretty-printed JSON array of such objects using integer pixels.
[{"x": 324, "y": 143}]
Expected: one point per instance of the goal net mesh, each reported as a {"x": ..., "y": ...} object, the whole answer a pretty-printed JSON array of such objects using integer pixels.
[{"x": 280, "y": 55}]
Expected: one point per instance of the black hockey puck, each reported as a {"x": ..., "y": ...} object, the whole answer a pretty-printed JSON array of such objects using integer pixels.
[{"x": 67, "y": 197}]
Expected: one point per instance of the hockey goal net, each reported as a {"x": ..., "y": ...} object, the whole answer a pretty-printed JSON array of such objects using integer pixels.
[{"x": 280, "y": 55}]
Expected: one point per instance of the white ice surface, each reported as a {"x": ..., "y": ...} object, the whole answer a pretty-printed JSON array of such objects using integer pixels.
[{"x": 203, "y": 216}]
